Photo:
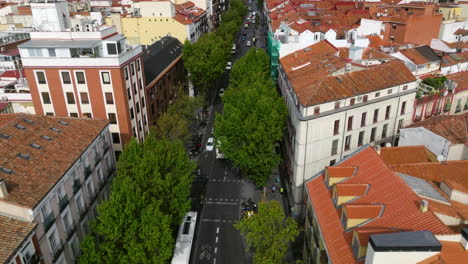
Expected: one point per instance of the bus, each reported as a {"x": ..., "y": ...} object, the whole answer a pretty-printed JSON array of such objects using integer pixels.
[{"x": 184, "y": 240}]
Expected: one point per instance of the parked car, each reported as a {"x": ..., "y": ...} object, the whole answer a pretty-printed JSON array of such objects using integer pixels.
[
  {"x": 248, "y": 43},
  {"x": 243, "y": 38},
  {"x": 228, "y": 65},
  {"x": 221, "y": 92},
  {"x": 210, "y": 144}
]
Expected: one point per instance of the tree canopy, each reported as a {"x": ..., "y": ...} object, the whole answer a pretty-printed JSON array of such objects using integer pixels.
[
  {"x": 148, "y": 199},
  {"x": 268, "y": 232},
  {"x": 253, "y": 119}
]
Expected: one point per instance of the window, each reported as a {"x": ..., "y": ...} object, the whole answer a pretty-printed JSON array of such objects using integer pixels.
[
  {"x": 105, "y": 77},
  {"x": 317, "y": 110},
  {"x": 363, "y": 119},
  {"x": 88, "y": 115},
  {"x": 52, "y": 241},
  {"x": 353, "y": 101},
  {"x": 45, "y": 98},
  {"x": 73, "y": 114},
  {"x": 66, "y": 77},
  {"x": 392, "y": 39},
  {"x": 376, "y": 115},
  {"x": 126, "y": 73},
  {"x": 79, "y": 203},
  {"x": 139, "y": 125},
  {"x": 109, "y": 98},
  {"x": 115, "y": 138},
  {"x": 40, "y": 76},
  {"x": 337, "y": 105},
  {"x": 112, "y": 117},
  {"x": 135, "y": 88},
  {"x": 389, "y": 91},
  {"x": 384, "y": 131},
  {"x": 365, "y": 98},
  {"x": 27, "y": 253},
  {"x": 138, "y": 65},
  {"x": 334, "y": 148},
  {"x": 49, "y": 114},
  {"x": 129, "y": 94},
  {"x": 80, "y": 78},
  {"x": 90, "y": 188},
  {"x": 403, "y": 108},
  {"x": 350, "y": 123},
  {"x": 377, "y": 94},
  {"x": 347, "y": 142},
  {"x": 400, "y": 124},
  {"x": 142, "y": 102},
  {"x": 132, "y": 114},
  {"x": 332, "y": 162},
  {"x": 372, "y": 134},
  {"x": 66, "y": 222},
  {"x": 138, "y": 107},
  {"x": 387, "y": 112},
  {"x": 70, "y": 98},
  {"x": 336, "y": 127},
  {"x": 111, "y": 49},
  {"x": 361, "y": 138},
  {"x": 405, "y": 87},
  {"x": 393, "y": 26},
  {"x": 84, "y": 98},
  {"x": 51, "y": 52},
  {"x": 133, "y": 68}
]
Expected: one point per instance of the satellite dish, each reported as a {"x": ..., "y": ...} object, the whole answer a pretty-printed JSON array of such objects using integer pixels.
[
  {"x": 441, "y": 158},
  {"x": 388, "y": 145}
]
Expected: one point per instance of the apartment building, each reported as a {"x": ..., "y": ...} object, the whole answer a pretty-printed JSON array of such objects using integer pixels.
[
  {"x": 164, "y": 74},
  {"x": 153, "y": 20},
  {"x": 18, "y": 242},
  {"x": 361, "y": 211},
  {"x": 90, "y": 73},
  {"x": 54, "y": 171},
  {"x": 335, "y": 106}
]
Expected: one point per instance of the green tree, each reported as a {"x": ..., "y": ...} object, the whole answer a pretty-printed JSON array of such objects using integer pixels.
[
  {"x": 268, "y": 232},
  {"x": 252, "y": 123},
  {"x": 137, "y": 224}
]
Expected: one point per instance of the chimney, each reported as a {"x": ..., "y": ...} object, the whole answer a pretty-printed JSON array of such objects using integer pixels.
[
  {"x": 377, "y": 149},
  {"x": 3, "y": 189},
  {"x": 424, "y": 206}
]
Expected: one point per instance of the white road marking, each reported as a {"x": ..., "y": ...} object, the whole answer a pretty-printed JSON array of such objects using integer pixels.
[
  {"x": 214, "y": 261},
  {"x": 216, "y": 240},
  {"x": 216, "y": 250},
  {"x": 217, "y": 230}
]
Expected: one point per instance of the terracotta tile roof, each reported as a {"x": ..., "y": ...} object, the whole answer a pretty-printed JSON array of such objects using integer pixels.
[
  {"x": 401, "y": 210},
  {"x": 454, "y": 171},
  {"x": 363, "y": 211},
  {"x": 365, "y": 233},
  {"x": 4, "y": 105},
  {"x": 313, "y": 82},
  {"x": 24, "y": 10},
  {"x": 452, "y": 253},
  {"x": 12, "y": 234},
  {"x": 274, "y": 3},
  {"x": 461, "y": 31},
  {"x": 376, "y": 42},
  {"x": 461, "y": 78},
  {"x": 454, "y": 58},
  {"x": 368, "y": 54},
  {"x": 344, "y": 189},
  {"x": 453, "y": 128},
  {"x": 407, "y": 154},
  {"x": 32, "y": 179},
  {"x": 458, "y": 44},
  {"x": 454, "y": 209},
  {"x": 341, "y": 172},
  {"x": 420, "y": 55}
]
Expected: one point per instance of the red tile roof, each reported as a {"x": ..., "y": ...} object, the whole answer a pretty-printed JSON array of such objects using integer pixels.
[
  {"x": 419, "y": 56},
  {"x": 452, "y": 253},
  {"x": 368, "y": 54},
  {"x": 341, "y": 172},
  {"x": 461, "y": 78},
  {"x": 407, "y": 154},
  {"x": 344, "y": 189},
  {"x": 363, "y": 211},
  {"x": 453, "y": 128},
  {"x": 12, "y": 234},
  {"x": 401, "y": 210},
  {"x": 454, "y": 58},
  {"x": 32, "y": 179},
  {"x": 24, "y": 10},
  {"x": 4, "y": 105},
  {"x": 376, "y": 42}
]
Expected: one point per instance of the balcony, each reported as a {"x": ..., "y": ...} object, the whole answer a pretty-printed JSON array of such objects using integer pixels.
[
  {"x": 76, "y": 186},
  {"x": 63, "y": 202},
  {"x": 87, "y": 172},
  {"x": 49, "y": 221}
]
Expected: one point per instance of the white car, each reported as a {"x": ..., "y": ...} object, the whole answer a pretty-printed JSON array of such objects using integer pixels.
[
  {"x": 228, "y": 65},
  {"x": 248, "y": 43},
  {"x": 221, "y": 92},
  {"x": 210, "y": 144}
]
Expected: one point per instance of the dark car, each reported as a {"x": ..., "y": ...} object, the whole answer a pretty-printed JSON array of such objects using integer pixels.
[
  {"x": 243, "y": 38},
  {"x": 244, "y": 33}
]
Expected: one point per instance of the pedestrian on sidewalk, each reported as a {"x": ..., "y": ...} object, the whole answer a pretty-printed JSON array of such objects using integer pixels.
[
  {"x": 273, "y": 188},
  {"x": 282, "y": 190}
]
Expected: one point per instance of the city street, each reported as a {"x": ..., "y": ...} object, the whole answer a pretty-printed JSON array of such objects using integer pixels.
[{"x": 216, "y": 239}]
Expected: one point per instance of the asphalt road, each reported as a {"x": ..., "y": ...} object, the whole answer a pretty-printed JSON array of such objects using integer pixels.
[{"x": 216, "y": 240}]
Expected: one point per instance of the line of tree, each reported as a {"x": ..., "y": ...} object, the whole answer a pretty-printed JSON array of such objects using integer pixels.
[
  {"x": 268, "y": 233},
  {"x": 253, "y": 120},
  {"x": 148, "y": 198},
  {"x": 206, "y": 59}
]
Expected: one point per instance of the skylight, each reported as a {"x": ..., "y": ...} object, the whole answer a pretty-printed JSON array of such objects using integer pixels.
[
  {"x": 36, "y": 146},
  {"x": 5, "y": 136},
  {"x": 5, "y": 170},
  {"x": 46, "y": 137},
  {"x": 18, "y": 126},
  {"x": 63, "y": 123},
  {"x": 23, "y": 156},
  {"x": 29, "y": 121},
  {"x": 55, "y": 129}
]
